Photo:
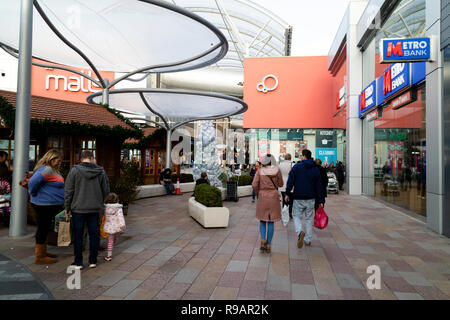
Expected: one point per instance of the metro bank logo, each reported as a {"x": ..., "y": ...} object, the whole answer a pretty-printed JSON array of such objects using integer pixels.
[{"x": 408, "y": 50}]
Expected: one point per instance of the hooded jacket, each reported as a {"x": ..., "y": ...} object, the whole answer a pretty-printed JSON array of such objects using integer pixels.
[
  {"x": 305, "y": 178},
  {"x": 87, "y": 187}
]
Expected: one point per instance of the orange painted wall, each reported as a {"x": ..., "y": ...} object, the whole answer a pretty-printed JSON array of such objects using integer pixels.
[
  {"x": 39, "y": 78},
  {"x": 338, "y": 81},
  {"x": 305, "y": 97}
]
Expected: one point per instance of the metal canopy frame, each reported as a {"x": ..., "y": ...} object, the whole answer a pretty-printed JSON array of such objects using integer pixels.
[
  {"x": 105, "y": 84},
  {"x": 25, "y": 57},
  {"x": 166, "y": 120}
]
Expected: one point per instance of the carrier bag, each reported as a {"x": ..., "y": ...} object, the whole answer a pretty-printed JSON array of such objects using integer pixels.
[{"x": 320, "y": 219}]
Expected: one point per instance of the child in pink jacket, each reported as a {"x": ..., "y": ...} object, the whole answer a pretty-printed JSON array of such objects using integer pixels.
[{"x": 114, "y": 221}]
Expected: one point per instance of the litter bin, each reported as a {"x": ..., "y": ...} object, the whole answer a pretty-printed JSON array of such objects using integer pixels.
[{"x": 232, "y": 191}]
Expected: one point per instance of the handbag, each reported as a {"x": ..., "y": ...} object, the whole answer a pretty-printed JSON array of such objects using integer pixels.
[
  {"x": 64, "y": 238},
  {"x": 320, "y": 219},
  {"x": 285, "y": 215},
  {"x": 24, "y": 181},
  {"x": 103, "y": 234}
]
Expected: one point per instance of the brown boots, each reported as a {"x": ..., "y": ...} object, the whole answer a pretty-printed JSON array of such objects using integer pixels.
[
  {"x": 263, "y": 245},
  {"x": 41, "y": 255}
]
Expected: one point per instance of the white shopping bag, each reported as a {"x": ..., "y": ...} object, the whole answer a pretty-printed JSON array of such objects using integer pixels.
[{"x": 285, "y": 215}]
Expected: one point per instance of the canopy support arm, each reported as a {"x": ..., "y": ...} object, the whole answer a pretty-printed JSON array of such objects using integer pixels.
[{"x": 68, "y": 43}]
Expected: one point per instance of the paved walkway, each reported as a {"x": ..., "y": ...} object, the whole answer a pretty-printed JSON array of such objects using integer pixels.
[
  {"x": 18, "y": 283},
  {"x": 165, "y": 254}
]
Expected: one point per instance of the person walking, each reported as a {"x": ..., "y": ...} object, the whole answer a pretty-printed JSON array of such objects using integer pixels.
[
  {"x": 340, "y": 172},
  {"x": 323, "y": 181},
  {"x": 46, "y": 189},
  {"x": 285, "y": 167},
  {"x": 252, "y": 174},
  {"x": 305, "y": 179},
  {"x": 114, "y": 222},
  {"x": 86, "y": 191},
  {"x": 268, "y": 209}
]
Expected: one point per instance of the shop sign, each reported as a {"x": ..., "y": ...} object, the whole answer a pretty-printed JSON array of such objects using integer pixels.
[
  {"x": 405, "y": 50},
  {"x": 326, "y": 139},
  {"x": 262, "y": 86},
  {"x": 374, "y": 115},
  {"x": 341, "y": 98},
  {"x": 395, "y": 79},
  {"x": 367, "y": 99},
  {"x": 327, "y": 154},
  {"x": 404, "y": 99}
]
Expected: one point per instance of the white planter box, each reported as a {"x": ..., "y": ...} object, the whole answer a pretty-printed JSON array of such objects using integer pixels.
[
  {"x": 209, "y": 217},
  {"x": 156, "y": 190}
]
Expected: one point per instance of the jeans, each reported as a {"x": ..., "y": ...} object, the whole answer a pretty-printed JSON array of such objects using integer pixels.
[
  {"x": 78, "y": 220},
  {"x": 303, "y": 208},
  {"x": 44, "y": 218},
  {"x": 253, "y": 195},
  {"x": 270, "y": 229},
  {"x": 167, "y": 185}
]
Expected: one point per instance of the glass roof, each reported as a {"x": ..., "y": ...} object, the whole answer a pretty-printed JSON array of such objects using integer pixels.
[
  {"x": 407, "y": 20},
  {"x": 176, "y": 106},
  {"x": 117, "y": 35},
  {"x": 251, "y": 30}
]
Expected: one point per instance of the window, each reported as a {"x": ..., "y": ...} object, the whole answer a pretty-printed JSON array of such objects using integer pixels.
[
  {"x": 135, "y": 155},
  {"x": 8, "y": 147}
]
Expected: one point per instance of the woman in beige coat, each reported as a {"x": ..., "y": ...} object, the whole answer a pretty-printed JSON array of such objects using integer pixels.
[{"x": 268, "y": 208}]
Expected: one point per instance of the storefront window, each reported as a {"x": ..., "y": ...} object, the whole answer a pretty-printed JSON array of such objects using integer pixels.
[
  {"x": 326, "y": 144},
  {"x": 400, "y": 155},
  {"x": 394, "y": 141}
]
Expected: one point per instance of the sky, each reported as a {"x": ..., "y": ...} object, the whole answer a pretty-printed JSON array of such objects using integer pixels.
[{"x": 315, "y": 22}]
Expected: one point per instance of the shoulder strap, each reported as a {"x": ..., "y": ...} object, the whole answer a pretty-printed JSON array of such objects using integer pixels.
[{"x": 273, "y": 183}]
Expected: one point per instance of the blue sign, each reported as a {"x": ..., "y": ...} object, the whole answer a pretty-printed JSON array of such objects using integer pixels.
[
  {"x": 327, "y": 154},
  {"x": 405, "y": 50},
  {"x": 395, "y": 79},
  {"x": 368, "y": 99}
]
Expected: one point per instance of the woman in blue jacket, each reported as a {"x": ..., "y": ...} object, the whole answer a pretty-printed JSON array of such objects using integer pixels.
[{"x": 46, "y": 188}]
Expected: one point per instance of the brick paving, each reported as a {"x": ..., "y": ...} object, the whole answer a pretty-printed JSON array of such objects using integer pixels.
[{"x": 165, "y": 254}]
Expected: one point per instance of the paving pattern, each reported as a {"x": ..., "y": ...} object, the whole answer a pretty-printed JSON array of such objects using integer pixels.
[
  {"x": 165, "y": 254},
  {"x": 18, "y": 283}
]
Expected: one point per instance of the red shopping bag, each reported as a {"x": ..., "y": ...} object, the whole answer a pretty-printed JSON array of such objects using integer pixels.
[{"x": 320, "y": 219}]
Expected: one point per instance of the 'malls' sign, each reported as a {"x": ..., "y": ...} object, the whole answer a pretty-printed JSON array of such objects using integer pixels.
[{"x": 405, "y": 50}]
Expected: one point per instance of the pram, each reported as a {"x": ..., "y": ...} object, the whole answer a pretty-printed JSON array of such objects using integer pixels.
[{"x": 333, "y": 185}]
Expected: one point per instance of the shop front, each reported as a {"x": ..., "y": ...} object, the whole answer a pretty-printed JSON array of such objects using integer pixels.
[{"x": 393, "y": 111}]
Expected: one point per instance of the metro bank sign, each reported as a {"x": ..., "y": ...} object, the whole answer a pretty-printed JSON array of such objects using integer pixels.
[{"x": 405, "y": 50}]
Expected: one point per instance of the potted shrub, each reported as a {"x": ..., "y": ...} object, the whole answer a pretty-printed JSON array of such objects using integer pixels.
[
  {"x": 206, "y": 207},
  {"x": 125, "y": 186}
]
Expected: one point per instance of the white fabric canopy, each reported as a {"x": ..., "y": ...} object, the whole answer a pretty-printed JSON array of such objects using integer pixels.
[
  {"x": 170, "y": 104},
  {"x": 117, "y": 35}
]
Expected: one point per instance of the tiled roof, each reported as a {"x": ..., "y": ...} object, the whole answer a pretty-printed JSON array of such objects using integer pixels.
[
  {"x": 68, "y": 111},
  {"x": 147, "y": 132}
]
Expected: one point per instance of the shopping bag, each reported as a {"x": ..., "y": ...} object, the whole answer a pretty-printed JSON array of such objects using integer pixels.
[
  {"x": 60, "y": 217},
  {"x": 103, "y": 234},
  {"x": 285, "y": 215},
  {"x": 320, "y": 219},
  {"x": 64, "y": 234}
]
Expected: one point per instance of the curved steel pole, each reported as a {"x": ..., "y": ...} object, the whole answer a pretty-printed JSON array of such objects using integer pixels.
[
  {"x": 15, "y": 55},
  {"x": 105, "y": 93},
  {"x": 168, "y": 149},
  {"x": 17, "y": 226},
  {"x": 68, "y": 43}
]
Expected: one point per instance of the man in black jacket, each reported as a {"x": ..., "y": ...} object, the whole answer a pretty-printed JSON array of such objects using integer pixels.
[
  {"x": 323, "y": 180},
  {"x": 86, "y": 189},
  {"x": 305, "y": 179}
]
